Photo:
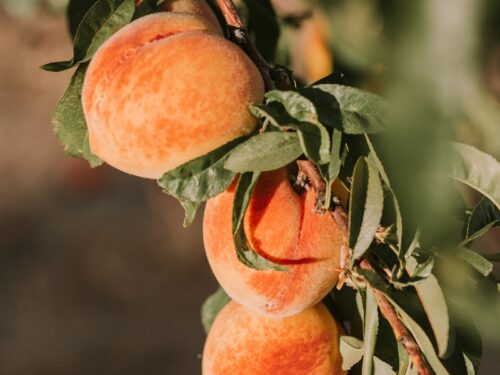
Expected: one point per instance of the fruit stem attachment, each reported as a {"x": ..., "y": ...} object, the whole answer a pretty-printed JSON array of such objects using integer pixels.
[
  {"x": 403, "y": 336},
  {"x": 239, "y": 34}
]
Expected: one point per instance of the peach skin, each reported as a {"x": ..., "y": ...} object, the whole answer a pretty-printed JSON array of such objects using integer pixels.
[
  {"x": 242, "y": 342},
  {"x": 165, "y": 89},
  {"x": 281, "y": 226}
]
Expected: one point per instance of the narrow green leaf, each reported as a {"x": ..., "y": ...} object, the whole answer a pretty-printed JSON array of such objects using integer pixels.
[
  {"x": 404, "y": 360},
  {"x": 423, "y": 341},
  {"x": 365, "y": 207},
  {"x": 212, "y": 306},
  {"x": 264, "y": 152},
  {"x": 434, "y": 303},
  {"x": 351, "y": 350},
  {"x": 375, "y": 160},
  {"x": 476, "y": 169},
  {"x": 68, "y": 120},
  {"x": 330, "y": 171},
  {"x": 101, "y": 21},
  {"x": 361, "y": 111},
  {"x": 481, "y": 264},
  {"x": 244, "y": 251},
  {"x": 200, "y": 179},
  {"x": 370, "y": 333}
]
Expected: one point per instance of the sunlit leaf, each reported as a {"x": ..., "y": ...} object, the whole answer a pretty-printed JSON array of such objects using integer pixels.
[
  {"x": 264, "y": 152},
  {"x": 481, "y": 264},
  {"x": 476, "y": 169},
  {"x": 351, "y": 350},
  {"x": 365, "y": 207}
]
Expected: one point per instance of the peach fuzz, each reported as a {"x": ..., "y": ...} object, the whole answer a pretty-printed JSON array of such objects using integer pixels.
[
  {"x": 243, "y": 342},
  {"x": 283, "y": 227},
  {"x": 164, "y": 90}
]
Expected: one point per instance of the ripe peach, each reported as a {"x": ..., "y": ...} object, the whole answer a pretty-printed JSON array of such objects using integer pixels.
[
  {"x": 166, "y": 89},
  {"x": 247, "y": 343},
  {"x": 282, "y": 227}
]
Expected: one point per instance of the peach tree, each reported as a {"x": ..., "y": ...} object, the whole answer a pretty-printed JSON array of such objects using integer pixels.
[{"x": 376, "y": 143}]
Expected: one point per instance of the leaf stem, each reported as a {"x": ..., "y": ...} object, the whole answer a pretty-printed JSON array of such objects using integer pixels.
[
  {"x": 239, "y": 34},
  {"x": 400, "y": 331}
]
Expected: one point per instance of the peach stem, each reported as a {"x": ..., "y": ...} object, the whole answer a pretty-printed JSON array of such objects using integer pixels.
[{"x": 239, "y": 33}]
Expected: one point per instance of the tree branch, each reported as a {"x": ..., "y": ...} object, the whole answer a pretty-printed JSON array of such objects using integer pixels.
[
  {"x": 400, "y": 331},
  {"x": 239, "y": 34}
]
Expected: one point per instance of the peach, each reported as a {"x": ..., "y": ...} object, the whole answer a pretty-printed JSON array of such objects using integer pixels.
[
  {"x": 243, "y": 342},
  {"x": 166, "y": 89},
  {"x": 281, "y": 226}
]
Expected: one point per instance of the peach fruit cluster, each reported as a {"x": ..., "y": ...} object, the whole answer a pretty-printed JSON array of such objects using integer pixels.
[{"x": 168, "y": 88}]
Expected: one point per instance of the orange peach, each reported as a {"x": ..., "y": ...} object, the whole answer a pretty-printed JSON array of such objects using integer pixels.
[
  {"x": 281, "y": 226},
  {"x": 243, "y": 342},
  {"x": 166, "y": 89}
]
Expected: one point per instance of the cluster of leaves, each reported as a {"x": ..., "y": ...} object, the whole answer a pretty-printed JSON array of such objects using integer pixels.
[{"x": 339, "y": 129}]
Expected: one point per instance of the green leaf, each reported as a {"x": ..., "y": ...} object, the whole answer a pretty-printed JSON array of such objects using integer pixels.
[
  {"x": 68, "y": 120},
  {"x": 375, "y": 160},
  {"x": 365, "y": 207},
  {"x": 314, "y": 141},
  {"x": 75, "y": 13},
  {"x": 370, "y": 333},
  {"x": 481, "y": 264},
  {"x": 244, "y": 251},
  {"x": 326, "y": 106},
  {"x": 476, "y": 169},
  {"x": 200, "y": 179},
  {"x": 351, "y": 350},
  {"x": 102, "y": 20},
  {"x": 433, "y": 301},
  {"x": 485, "y": 215},
  {"x": 297, "y": 106},
  {"x": 423, "y": 341},
  {"x": 264, "y": 152},
  {"x": 330, "y": 171},
  {"x": 361, "y": 111},
  {"x": 212, "y": 306}
]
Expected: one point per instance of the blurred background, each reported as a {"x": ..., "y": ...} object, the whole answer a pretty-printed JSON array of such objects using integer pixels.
[{"x": 98, "y": 276}]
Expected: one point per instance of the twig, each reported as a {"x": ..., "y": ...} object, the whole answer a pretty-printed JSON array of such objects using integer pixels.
[
  {"x": 400, "y": 332},
  {"x": 239, "y": 34}
]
